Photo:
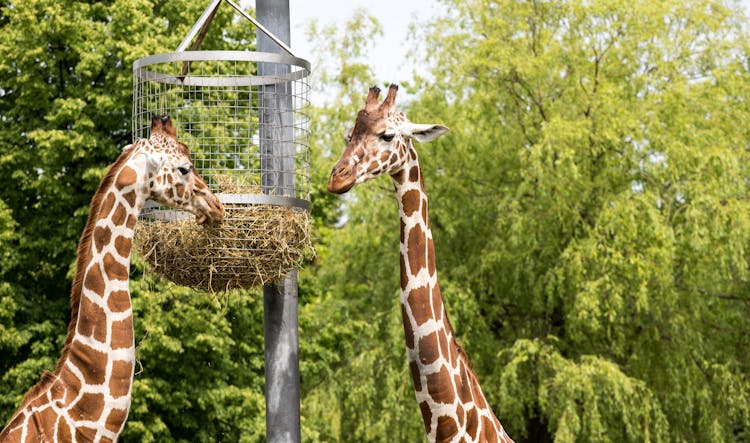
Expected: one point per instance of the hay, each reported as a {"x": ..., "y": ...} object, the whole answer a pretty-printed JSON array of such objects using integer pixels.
[{"x": 253, "y": 245}]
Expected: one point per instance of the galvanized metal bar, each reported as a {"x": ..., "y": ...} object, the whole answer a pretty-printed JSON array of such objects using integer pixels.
[
  {"x": 262, "y": 28},
  {"x": 280, "y": 300},
  {"x": 198, "y": 25}
]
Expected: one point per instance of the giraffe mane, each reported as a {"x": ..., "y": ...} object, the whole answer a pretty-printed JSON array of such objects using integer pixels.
[
  {"x": 462, "y": 355},
  {"x": 83, "y": 257}
]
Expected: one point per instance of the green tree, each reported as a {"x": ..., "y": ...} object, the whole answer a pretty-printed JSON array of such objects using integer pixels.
[
  {"x": 594, "y": 197},
  {"x": 66, "y": 88},
  {"x": 589, "y": 209},
  {"x": 200, "y": 372}
]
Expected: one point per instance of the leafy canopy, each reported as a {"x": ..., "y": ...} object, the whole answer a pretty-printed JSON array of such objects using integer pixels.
[{"x": 589, "y": 209}]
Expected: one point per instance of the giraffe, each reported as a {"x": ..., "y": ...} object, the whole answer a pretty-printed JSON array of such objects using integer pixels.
[
  {"x": 87, "y": 396},
  {"x": 450, "y": 399}
]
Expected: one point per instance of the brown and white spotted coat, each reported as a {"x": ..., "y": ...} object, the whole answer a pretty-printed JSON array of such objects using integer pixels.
[
  {"x": 453, "y": 406},
  {"x": 87, "y": 396}
]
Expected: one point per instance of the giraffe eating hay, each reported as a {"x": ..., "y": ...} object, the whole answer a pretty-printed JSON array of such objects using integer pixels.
[
  {"x": 453, "y": 406},
  {"x": 87, "y": 397}
]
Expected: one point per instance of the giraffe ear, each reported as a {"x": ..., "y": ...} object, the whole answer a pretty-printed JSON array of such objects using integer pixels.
[{"x": 427, "y": 133}]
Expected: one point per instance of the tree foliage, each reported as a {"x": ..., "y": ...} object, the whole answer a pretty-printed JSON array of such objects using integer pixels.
[
  {"x": 66, "y": 97},
  {"x": 597, "y": 145},
  {"x": 589, "y": 208}
]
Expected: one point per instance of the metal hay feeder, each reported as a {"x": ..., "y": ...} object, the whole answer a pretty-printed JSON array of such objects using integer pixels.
[{"x": 244, "y": 116}]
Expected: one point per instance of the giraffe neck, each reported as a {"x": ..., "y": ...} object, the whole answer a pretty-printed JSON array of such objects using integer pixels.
[
  {"x": 450, "y": 399},
  {"x": 87, "y": 397}
]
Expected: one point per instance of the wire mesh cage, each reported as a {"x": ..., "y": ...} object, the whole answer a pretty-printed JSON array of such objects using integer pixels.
[{"x": 244, "y": 116}]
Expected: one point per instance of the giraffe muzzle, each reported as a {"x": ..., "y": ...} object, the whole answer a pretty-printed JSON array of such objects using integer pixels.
[
  {"x": 342, "y": 179},
  {"x": 208, "y": 208}
]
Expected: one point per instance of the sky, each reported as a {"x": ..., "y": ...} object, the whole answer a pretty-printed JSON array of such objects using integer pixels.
[{"x": 389, "y": 52}]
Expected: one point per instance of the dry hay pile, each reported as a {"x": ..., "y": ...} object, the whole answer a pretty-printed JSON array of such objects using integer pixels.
[{"x": 254, "y": 244}]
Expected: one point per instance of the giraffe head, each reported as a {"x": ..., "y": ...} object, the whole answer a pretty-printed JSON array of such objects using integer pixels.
[
  {"x": 172, "y": 178},
  {"x": 379, "y": 143}
]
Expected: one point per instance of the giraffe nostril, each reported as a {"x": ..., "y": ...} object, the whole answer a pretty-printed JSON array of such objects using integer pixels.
[{"x": 339, "y": 171}]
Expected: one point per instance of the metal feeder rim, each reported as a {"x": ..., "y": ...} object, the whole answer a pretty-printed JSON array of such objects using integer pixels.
[
  {"x": 241, "y": 56},
  {"x": 150, "y": 210}
]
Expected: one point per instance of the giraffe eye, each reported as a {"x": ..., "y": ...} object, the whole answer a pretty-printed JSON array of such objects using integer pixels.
[
  {"x": 387, "y": 137},
  {"x": 183, "y": 171}
]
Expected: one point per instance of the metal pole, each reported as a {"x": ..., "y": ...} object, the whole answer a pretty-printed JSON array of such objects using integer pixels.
[{"x": 279, "y": 301}]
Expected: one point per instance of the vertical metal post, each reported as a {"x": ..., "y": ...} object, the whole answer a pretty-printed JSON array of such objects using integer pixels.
[{"x": 279, "y": 301}]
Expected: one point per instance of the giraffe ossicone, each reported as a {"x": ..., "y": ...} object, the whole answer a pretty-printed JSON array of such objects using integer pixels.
[
  {"x": 453, "y": 406},
  {"x": 87, "y": 396}
]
